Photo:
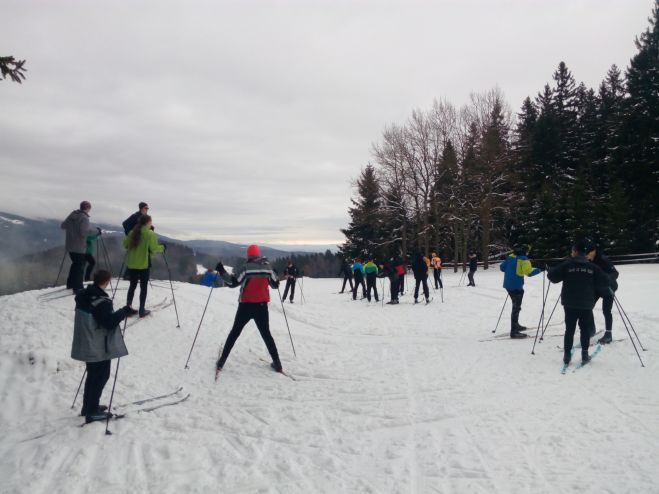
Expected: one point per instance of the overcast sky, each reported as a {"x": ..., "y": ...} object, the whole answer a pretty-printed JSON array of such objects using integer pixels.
[{"x": 247, "y": 121}]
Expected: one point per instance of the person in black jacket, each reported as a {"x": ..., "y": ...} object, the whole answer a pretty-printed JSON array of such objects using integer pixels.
[
  {"x": 595, "y": 255},
  {"x": 473, "y": 265},
  {"x": 290, "y": 273},
  {"x": 389, "y": 270},
  {"x": 346, "y": 271},
  {"x": 133, "y": 219},
  {"x": 96, "y": 341},
  {"x": 583, "y": 282},
  {"x": 420, "y": 270}
]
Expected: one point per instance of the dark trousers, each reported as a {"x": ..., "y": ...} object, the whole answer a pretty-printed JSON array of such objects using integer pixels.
[
  {"x": 470, "y": 275},
  {"x": 290, "y": 283},
  {"x": 586, "y": 324},
  {"x": 98, "y": 374},
  {"x": 245, "y": 313},
  {"x": 76, "y": 272},
  {"x": 394, "y": 288},
  {"x": 135, "y": 275},
  {"x": 345, "y": 279},
  {"x": 91, "y": 262},
  {"x": 437, "y": 273},
  {"x": 607, "y": 306},
  {"x": 401, "y": 284},
  {"x": 358, "y": 282},
  {"x": 516, "y": 297},
  {"x": 372, "y": 283},
  {"x": 419, "y": 281}
]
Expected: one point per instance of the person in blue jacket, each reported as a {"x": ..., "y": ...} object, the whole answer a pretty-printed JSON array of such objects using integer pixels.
[
  {"x": 209, "y": 278},
  {"x": 358, "y": 274},
  {"x": 516, "y": 266}
]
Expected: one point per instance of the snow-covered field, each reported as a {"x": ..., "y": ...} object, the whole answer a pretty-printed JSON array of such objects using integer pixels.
[{"x": 387, "y": 399}]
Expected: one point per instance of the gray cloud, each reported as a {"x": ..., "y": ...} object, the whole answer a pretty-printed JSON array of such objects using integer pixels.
[{"x": 246, "y": 121}]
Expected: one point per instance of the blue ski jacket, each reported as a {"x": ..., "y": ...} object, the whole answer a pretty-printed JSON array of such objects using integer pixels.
[{"x": 515, "y": 268}]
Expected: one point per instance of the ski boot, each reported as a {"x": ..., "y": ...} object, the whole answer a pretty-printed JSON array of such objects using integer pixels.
[
  {"x": 276, "y": 366},
  {"x": 131, "y": 311},
  {"x": 585, "y": 358},
  {"x": 97, "y": 416},
  {"x": 606, "y": 339},
  {"x": 144, "y": 312},
  {"x": 100, "y": 409},
  {"x": 517, "y": 334},
  {"x": 567, "y": 356}
]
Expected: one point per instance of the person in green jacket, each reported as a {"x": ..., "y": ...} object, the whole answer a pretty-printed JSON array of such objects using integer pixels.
[
  {"x": 89, "y": 254},
  {"x": 141, "y": 242},
  {"x": 371, "y": 270}
]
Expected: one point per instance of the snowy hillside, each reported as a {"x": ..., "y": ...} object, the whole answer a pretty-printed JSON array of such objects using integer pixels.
[{"x": 386, "y": 399}]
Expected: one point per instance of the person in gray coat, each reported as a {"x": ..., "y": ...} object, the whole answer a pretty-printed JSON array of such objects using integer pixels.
[
  {"x": 97, "y": 339},
  {"x": 77, "y": 230}
]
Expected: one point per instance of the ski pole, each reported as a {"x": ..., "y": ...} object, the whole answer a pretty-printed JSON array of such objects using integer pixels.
[
  {"x": 114, "y": 290},
  {"x": 302, "y": 290},
  {"x": 116, "y": 374},
  {"x": 628, "y": 332},
  {"x": 620, "y": 308},
  {"x": 106, "y": 256},
  {"x": 178, "y": 324},
  {"x": 79, "y": 386},
  {"x": 286, "y": 319},
  {"x": 441, "y": 291},
  {"x": 549, "y": 319},
  {"x": 542, "y": 314},
  {"x": 60, "y": 268},
  {"x": 504, "y": 306},
  {"x": 198, "y": 328}
]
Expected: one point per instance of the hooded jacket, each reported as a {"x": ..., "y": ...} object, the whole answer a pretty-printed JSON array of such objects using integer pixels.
[
  {"x": 77, "y": 229},
  {"x": 96, "y": 333}
]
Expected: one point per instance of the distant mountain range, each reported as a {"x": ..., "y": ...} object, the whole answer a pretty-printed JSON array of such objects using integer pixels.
[{"x": 20, "y": 236}]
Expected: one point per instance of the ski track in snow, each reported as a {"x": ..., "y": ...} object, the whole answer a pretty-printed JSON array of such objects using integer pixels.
[{"x": 392, "y": 399}]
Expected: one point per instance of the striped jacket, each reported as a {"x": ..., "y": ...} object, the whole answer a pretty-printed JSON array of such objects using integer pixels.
[{"x": 254, "y": 277}]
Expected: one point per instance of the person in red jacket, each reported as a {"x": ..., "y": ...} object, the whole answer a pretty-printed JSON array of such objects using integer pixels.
[{"x": 254, "y": 279}]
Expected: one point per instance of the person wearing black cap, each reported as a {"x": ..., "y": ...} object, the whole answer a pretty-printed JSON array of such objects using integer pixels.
[
  {"x": 594, "y": 254},
  {"x": 583, "y": 282},
  {"x": 516, "y": 266},
  {"x": 290, "y": 273},
  {"x": 133, "y": 219}
]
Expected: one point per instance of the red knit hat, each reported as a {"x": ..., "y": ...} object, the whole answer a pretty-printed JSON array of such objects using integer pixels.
[{"x": 253, "y": 251}]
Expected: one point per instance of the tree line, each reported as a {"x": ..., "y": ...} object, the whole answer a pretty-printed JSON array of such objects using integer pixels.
[{"x": 573, "y": 162}]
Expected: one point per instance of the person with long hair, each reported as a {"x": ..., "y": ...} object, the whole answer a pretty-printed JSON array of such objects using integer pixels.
[{"x": 140, "y": 243}]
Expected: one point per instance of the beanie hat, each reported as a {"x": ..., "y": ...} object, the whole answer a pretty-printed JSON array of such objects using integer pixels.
[
  {"x": 253, "y": 250},
  {"x": 142, "y": 205},
  {"x": 581, "y": 246}
]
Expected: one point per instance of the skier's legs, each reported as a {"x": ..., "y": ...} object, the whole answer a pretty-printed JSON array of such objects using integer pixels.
[
  {"x": 144, "y": 286},
  {"x": 571, "y": 317},
  {"x": 607, "y": 306},
  {"x": 292, "y": 288},
  {"x": 417, "y": 283},
  {"x": 288, "y": 284},
  {"x": 343, "y": 287},
  {"x": 441, "y": 285},
  {"x": 436, "y": 278},
  {"x": 586, "y": 327},
  {"x": 244, "y": 313},
  {"x": 76, "y": 272},
  {"x": 91, "y": 262},
  {"x": 98, "y": 374},
  {"x": 470, "y": 275},
  {"x": 394, "y": 289},
  {"x": 133, "y": 278},
  {"x": 516, "y": 297},
  {"x": 262, "y": 320},
  {"x": 375, "y": 289},
  {"x": 426, "y": 292}
]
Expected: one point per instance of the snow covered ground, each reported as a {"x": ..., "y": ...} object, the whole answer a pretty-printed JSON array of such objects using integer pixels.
[{"x": 387, "y": 399}]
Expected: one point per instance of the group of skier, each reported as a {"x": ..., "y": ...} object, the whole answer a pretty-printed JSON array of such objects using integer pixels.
[
  {"x": 586, "y": 276},
  {"x": 365, "y": 276},
  {"x": 96, "y": 336}
]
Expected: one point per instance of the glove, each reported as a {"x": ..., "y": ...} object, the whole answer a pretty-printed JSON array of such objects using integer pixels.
[
  {"x": 219, "y": 267},
  {"x": 100, "y": 232}
]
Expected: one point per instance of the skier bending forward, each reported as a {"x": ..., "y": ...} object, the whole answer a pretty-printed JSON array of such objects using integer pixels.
[{"x": 253, "y": 277}]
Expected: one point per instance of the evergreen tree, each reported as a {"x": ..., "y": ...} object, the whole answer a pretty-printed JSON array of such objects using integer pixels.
[{"x": 363, "y": 235}]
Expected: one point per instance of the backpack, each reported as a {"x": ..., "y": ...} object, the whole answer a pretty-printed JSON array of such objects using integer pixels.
[{"x": 523, "y": 267}]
